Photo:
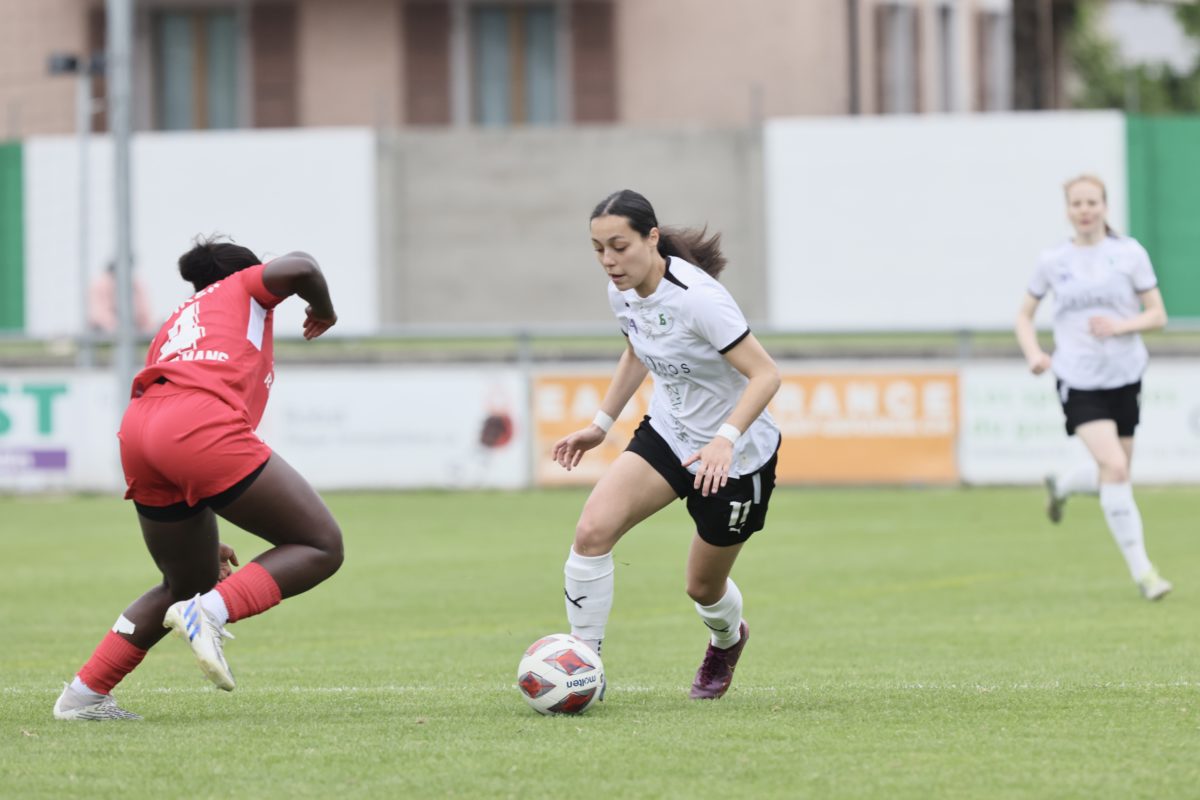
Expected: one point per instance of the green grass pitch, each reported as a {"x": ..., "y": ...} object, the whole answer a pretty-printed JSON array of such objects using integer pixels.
[{"x": 905, "y": 644}]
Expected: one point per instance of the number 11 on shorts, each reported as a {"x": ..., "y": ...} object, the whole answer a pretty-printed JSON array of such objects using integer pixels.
[{"x": 738, "y": 513}]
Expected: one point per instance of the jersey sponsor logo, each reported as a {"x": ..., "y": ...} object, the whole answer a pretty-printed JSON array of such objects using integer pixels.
[
  {"x": 666, "y": 369},
  {"x": 1090, "y": 300},
  {"x": 203, "y": 355}
]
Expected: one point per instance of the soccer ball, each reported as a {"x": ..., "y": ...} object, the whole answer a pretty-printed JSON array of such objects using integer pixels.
[{"x": 560, "y": 674}]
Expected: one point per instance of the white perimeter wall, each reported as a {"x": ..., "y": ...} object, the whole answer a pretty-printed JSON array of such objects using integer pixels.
[
  {"x": 928, "y": 222},
  {"x": 274, "y": 191}
]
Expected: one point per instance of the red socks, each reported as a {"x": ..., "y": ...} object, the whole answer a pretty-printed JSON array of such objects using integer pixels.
[
  {"x": 249, "y": 591},
  {"x": 113, "y": 659}
]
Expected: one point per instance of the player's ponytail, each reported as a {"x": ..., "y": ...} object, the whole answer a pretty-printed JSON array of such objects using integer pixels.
[
  {"x": 686, "y": 243},
  {"x": 692, "y": 246},
  {"x": 210, "y": 260}
]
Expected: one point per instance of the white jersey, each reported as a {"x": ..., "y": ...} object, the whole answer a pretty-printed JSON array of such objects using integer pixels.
[
  {"x": 1101, "y": 280},
  {"x": 680, "y": 333}
]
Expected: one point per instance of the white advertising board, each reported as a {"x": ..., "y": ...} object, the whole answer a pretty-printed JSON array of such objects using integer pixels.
[
  {"x": 926, "y": 222},
  {"x": 58, "y": 431},
  {"x": 273, "y": 191},
  {"x": 1012, "y": 425},
  {"x": 342, "y": 428},
  {"x": 375, "y": 428}
]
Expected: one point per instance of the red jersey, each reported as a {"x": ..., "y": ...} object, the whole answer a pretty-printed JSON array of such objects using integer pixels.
[{"x": 219, "y": 341}]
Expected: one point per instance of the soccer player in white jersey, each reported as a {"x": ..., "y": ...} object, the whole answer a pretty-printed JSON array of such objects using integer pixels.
[
  {"x": 708, "y": 437},
  {"x": 1105, "y": 295}
]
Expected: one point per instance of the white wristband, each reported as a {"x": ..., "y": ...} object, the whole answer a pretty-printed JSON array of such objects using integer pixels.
[
  {"x": 602, "y": 421},
  {"x": 729, "y": 432}
]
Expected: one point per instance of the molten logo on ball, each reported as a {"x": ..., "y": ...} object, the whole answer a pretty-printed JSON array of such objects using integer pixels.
[{"x": 560, "y": 674}]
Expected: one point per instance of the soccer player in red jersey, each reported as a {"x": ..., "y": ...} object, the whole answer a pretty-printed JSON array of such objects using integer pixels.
[{"x": 190, "y": 454}]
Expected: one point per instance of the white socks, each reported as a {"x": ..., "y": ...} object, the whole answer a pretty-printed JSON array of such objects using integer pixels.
[
  {"x": 82, "y": 688},
  {"x": 588, "y": 590},
  {"x": 1125, "y": 522},
  {"x": 724, "y": 617},
  {"x": 1083, "y": 478},
  {"x": 212, "y": 602}
]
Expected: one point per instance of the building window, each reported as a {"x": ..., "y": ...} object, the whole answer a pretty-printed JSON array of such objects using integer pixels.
[
  {"x": 897, "y": 35},
  {"x": 994, "y": 62},
  {"x": 196, "y": 69},
  {"x": 515, "y": 64}
]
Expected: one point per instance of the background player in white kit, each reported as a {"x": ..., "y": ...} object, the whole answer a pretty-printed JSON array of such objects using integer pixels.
[
  {"x": 1105, "y": 295},
  {"x": 708, "y": 437}
]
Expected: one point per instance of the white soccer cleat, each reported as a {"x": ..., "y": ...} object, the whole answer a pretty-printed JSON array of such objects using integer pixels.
[
  {"x": 1154, "y": 586},
  {"x": 206, "y": 636},
  {"x": 73, "y": 705},
  {"x": 1054, "y": 503}
]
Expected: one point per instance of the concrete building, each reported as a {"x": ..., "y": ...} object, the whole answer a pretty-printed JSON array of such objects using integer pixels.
[{"x": 395, "y": 63}]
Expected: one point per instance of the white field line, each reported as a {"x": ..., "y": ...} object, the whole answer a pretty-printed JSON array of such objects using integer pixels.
[{"x": 399, "y": 689}]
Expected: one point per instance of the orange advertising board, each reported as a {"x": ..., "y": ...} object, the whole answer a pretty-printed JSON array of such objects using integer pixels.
[
  {"x": 878, "y": 427},
  {"x": 838, "y": 428},
  {"x": 563, "y": 404}
]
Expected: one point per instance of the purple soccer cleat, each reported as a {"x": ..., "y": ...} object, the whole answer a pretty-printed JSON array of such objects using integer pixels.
[{"x": 716, "y": 671}]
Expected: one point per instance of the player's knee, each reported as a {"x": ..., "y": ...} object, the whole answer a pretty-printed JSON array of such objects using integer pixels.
[
  {"x": 705, "y": 592},
  {"x": 593, "y": 538},
  {"x": 333, "y": 552},
  {"x": 1114, "y": 471}
]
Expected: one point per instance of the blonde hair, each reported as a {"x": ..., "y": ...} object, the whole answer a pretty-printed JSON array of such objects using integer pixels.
[{"x": 1087, "y": 177}]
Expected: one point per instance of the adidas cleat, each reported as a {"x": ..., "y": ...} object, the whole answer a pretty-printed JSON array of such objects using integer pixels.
[{"x": 206, "y": 637}]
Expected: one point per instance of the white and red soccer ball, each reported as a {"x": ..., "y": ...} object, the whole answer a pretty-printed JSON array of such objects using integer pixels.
[{"x": 560, "y": 674}]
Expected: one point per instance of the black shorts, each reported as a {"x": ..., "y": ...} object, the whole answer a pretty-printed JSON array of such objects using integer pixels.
[
  {"x": 729, "y": 517},
  {"x": 1122, "y": 405}
]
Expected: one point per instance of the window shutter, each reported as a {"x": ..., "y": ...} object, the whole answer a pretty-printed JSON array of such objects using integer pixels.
[
  {"x": 427, "y": 62},
  {"x": 273, "y": 38},
  {"x": 594, "y": 73}
]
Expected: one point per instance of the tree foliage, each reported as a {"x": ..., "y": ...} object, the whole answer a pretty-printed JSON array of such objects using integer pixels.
[{"x": 1103, "y": 81}]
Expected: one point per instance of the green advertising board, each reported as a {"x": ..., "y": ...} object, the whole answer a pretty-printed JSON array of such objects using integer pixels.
[
  {"x": 12, "y": 239},
  {"x": 1164, "y": 204}
]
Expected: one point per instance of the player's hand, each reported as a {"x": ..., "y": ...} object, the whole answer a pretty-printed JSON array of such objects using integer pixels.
[
  {"x": 315, "y": 325},
  {"x": 1039, "y": 363},
  {"x": 569, "y": 449},
  {"x": 226, "y": 556},
  {"x": 1104, "y": 327},
  {"x": 715, "y": 458}
]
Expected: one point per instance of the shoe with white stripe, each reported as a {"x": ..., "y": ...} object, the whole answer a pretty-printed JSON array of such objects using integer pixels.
[
  {"x": 73, "y": 705},
  {"x": 206, "y": 637}
]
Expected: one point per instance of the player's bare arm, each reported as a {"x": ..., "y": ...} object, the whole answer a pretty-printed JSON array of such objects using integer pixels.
[
  {"x": 1152, "y": 318},
  {"x": 298, "y": 273},
  {"x": 627, "y": 378},
  {"x": 1038, "y": 359},
  {"x": 752, "y": 360}
]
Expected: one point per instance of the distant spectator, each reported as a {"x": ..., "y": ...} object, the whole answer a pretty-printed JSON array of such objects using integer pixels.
[{"x": 102, "y": 304}]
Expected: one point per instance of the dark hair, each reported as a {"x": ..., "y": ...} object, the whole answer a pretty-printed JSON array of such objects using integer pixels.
[
  {"x": 210, "y": 260},
  {"x": 686, "y": 243}
]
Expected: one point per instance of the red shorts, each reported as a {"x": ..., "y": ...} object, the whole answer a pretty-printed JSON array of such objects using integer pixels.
[{"x": 185, "y": 445}]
